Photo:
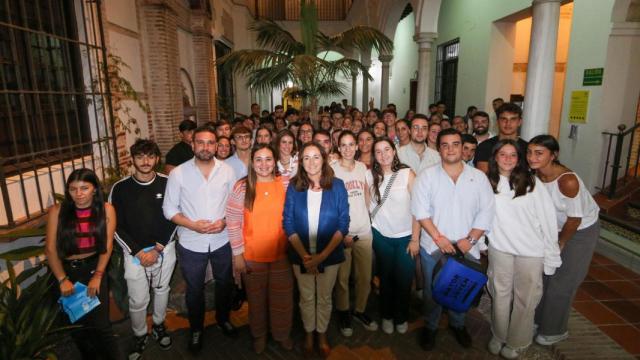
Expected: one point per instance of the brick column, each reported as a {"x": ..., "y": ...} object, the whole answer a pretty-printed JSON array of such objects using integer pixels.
[
  {"x": 203, "y": 77},
  {"x": 165, "y": 91}
]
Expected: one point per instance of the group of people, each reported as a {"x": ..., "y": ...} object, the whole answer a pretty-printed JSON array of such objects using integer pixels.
[{"x": 287, "y": 205}]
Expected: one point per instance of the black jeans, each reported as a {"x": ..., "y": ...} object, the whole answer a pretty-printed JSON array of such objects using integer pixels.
[
  {"x": 95, "y": 339},
  {"x": 194, "y": 266}
]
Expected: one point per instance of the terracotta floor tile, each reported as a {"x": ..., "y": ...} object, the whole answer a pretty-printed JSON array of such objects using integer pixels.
[
  {"x": 625, "y": 335},
  {"x": 628, "y": 310},
  {"x": 582, "y": 295},
  {"x": 626, "y": 273},
  {"x": 602, "y": 260},
  {"x": 626, "y": 289},
  {"x": 603, "y": 273},
  {"x": 599, "y": 291},
  {"x": 598, "y": 313}
]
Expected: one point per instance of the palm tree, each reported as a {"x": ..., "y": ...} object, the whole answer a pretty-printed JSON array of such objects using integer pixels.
[{"x": 284, "y": 60}]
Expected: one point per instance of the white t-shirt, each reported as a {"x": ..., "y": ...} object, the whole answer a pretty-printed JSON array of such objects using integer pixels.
[
  {"x": 314, "y": 200},
  {"x": 355, "y": 183},
  {"x": 394, "y": 217}
]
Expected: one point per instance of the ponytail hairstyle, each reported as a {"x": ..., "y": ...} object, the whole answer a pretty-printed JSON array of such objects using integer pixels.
[
  {"x": 252, "y": 178},
  {"x": 550, "y": 143},
  {"x": 521, "y": 179},
  {"x": 67, "y": 220},
  {"x": 376, "y": 168}
]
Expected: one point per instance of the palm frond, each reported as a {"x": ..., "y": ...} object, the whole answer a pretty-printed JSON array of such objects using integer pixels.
[
  {"x": 330, "y": 88},
  {"x": 271, "y": 35},
  {"x": 269, "y": 78},
  {"x": 247, "y": 60},
  {"x": 348, "y": 67},
  {"x": 362, "y": 38}
]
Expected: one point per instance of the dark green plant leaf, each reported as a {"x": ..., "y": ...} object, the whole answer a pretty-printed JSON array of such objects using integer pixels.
[{"x": 23, "y": 253}]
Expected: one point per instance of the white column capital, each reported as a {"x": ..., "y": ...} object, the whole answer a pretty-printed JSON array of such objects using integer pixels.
[
  {"x": 536, "y": 2},
  {"x": 385, "y": 59},
  {"x": 425, "y": 39}
]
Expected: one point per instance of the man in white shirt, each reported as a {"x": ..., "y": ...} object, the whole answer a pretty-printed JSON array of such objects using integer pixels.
[
  {"x": 454, "y": 204},
  {"x": 239, "y": 161},
  {"x": 195, "y": 199},
  {"x": 416, "y": 154},
  {"x": 480, "y": 123}
]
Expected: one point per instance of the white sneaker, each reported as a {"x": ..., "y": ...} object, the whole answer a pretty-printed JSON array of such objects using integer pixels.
[
  {"x": 387, "y": 326},
  {"x": 494, "y": 346},
  {"x": 551, "y": 339},
  {"x": 509, "y": 353},
  {"x": 402, "y": 328}
]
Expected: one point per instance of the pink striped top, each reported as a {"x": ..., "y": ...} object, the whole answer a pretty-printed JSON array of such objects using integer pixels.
[{"x": 85, "y": 242}]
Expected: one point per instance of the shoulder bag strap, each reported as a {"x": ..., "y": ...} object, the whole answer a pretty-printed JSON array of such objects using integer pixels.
[{"x": 385, "y": 195}]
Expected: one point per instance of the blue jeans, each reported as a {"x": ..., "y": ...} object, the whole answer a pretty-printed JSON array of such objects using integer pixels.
[
  {"x": 194, "y": 266},
  {"x": 431, "y": 309}
]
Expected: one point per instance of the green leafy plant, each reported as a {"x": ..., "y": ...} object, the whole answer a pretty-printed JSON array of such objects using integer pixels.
[
  {"x": 28, "y": 316},
  {"x": 284, "y": 61}
]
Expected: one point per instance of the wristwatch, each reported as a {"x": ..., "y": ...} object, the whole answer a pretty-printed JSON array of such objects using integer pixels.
[{"x": 471, "y": 240}]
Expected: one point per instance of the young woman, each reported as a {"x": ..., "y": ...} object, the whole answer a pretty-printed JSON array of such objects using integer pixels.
[
  {"x": 432, "y": 136},
  {"x": 224, "y": 148},
  {"x": 365, "y": 145},
  {"x": 523, "y": 246},
  {"x": 396, "y": 233},
  {"x": 358, "y": 243},
  {"x": 403, "y": 129},
  {"x": 379, "y": 129},
  {"x": 316, "y": 219},
  {"x": 287, "y": 154},
  {"x": 357, "y": 126},
  {"x": 577, "y": 218},
  {"x": 264, "y": 135},
  {"x": 78, "y": 246},
  {"x": 259, "y": 245},
  {"x": 408, "y": 116}
]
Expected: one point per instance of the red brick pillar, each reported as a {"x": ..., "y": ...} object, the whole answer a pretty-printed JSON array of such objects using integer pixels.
[
  {"x": 165, "y": 91},
  {"x": 203, "y": 58}
]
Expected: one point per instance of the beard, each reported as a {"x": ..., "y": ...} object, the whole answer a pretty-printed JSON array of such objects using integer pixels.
[
  {"x": 204, "y": 155},
  {"x": 481, "y": 130}
]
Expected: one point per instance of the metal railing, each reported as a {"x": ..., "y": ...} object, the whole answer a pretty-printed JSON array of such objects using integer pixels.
[
  {"x": 55, "y": 102},
  {"x": 289, "y": 10},
  {"x": 618, "y": 163}
]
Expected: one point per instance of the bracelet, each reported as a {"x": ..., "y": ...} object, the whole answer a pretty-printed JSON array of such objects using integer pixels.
[
  {"x": 98, "y": 273},
  {"x": 63, "y": 280},
  {"x": 471, "y": 240}
]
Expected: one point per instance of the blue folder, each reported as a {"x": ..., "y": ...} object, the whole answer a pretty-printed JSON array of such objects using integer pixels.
[{"x": 79, "y": 303}]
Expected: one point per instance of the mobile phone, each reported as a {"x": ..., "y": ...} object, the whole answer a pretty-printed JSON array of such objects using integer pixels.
[{"x": 355, "y": 238}]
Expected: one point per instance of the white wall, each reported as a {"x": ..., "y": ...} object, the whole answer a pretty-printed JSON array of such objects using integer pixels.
[{"x": 404, "y": 64}]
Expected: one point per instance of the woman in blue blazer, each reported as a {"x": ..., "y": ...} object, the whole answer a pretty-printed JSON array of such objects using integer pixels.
[{"x": 316, "y": 219}]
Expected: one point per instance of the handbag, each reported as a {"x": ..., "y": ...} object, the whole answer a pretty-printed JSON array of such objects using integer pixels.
[
  {"x": 385, "y": 195},
  {"x": 457, "y": 281}
]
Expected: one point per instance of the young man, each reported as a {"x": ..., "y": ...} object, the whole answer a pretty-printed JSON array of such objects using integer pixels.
[
  {"x": 305, "y": 133},
  {"x": 223, "y": 128},
  {"x": 239, "y": 161},
  {"x": 454, "y": 205},
  {"x": 336, "y": 118},
  {"x": 509, "y": 122},
  {"x": 459, "y": 124},
  {"x": 195, "y": 200},
  {"x": 389, "y": 117},
  {"x": 181, "y": 151},
  {"x": 146, "y": 238},
  {"x": 416, "y": 154},
  {"x": 442, "y": 107},
  {"x": 469, "y": 145},
  {"x": 255, "y": 110},
  {"x": 480, "y": 123}
]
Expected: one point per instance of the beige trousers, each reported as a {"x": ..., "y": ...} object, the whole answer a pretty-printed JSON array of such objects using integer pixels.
[
  {"x": 315, "y": 297},
  {"x": 358, "y": 258},
  {"x": 515, "y": 285}
]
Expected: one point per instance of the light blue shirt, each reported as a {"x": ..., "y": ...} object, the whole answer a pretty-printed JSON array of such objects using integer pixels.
[
  {"x": 199, "y": 198},
  {"x": 454, "y": 208},
  {"x": 239, "y": 168}
]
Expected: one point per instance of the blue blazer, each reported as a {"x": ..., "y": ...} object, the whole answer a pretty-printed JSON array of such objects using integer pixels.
[{"x": 334, "y": 216}]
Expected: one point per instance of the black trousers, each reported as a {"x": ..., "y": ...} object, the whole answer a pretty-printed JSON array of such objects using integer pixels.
[{"x": 95, "y": 339}]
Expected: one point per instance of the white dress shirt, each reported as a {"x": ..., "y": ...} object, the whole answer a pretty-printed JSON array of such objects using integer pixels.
[
  {"x": 454, "y": 208},
  {"x": 408, "y": 155},
  {"x": 199, "y": 198}
]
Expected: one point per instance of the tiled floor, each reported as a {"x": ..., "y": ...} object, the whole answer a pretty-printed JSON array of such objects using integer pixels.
[{"x": 610, "y": 298}]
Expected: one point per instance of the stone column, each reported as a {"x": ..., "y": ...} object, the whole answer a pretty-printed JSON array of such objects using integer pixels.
[
  {"x": 354, "y": 89},
  {"x": 160, "y": 35},
  {"x": 365, "y": 59},
  {"x": 541, "y": 68},
  {"x": 425, "y": 41},
  {"x": 203, "y": 76},
  {"x": 384, "y": 85}
]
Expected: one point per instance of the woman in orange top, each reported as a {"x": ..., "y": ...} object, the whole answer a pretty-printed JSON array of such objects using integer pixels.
[{"x": 259, "y": 244}]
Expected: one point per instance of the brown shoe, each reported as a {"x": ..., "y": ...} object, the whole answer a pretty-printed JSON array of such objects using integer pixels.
[
  {"x": 307, "y": 349},
  {"x": 323, "y": 345},
  {"x": 287, "y": 344},
  {"x": 259, "y": 344}
]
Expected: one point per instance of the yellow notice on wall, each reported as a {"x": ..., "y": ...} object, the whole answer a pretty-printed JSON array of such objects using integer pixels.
[{"x": 579, "y": 107}]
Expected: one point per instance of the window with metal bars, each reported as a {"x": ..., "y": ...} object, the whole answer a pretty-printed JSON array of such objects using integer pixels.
[
  {"x": 447, "y": 75},
  {"x": 54, "y": 97}
]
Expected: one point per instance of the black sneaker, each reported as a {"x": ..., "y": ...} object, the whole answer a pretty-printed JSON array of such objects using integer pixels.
[
  {"x": 159, "y": 334},
  {"x": 344, "y": 322},
  {"x": 462, "y": 336},
  {"x": 366, "y": 321},
  {"x": 428, "y": 339},
  {"x": 228, "y": 329},
  {"x": 140, "y": 343},
  {"x": 195, "y": 344}
]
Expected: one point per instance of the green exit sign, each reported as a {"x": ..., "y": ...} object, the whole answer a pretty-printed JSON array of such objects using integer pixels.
[{"x": 592, "y": 77}]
